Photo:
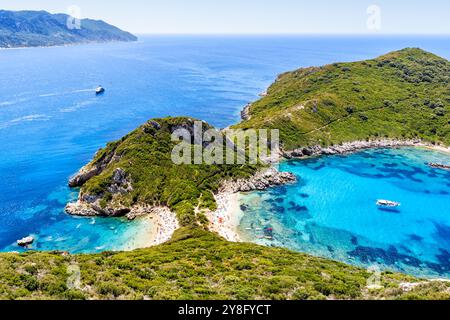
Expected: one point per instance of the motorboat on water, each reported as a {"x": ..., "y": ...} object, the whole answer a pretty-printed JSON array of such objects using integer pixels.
[
  {"x": 25, "y": 241},
  {"x": 99, "y": 90},
  {"x": 388, "y": 204}
]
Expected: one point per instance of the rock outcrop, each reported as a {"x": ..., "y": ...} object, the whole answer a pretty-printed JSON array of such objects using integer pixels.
[
  {"x": 261, "y": 181},
  {"x": 91, "y": 205},
  {"x": 92, "y": 170},
  {"x": 245, "y": 113}
]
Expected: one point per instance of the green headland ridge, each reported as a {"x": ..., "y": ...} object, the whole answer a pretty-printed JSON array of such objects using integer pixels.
[{"x": 401, "y": 95}]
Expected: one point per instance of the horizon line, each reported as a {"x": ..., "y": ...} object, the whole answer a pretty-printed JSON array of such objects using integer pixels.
[{"x": 288, "y": 34}]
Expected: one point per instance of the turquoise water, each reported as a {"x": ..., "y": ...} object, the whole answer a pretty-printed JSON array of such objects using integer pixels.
[
  {"x": 331, "y": 212},
  {"x": 51, "y": 123}
]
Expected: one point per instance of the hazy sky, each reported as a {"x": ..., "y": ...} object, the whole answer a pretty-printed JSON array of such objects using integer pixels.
[{"x": 259, "y": 16}]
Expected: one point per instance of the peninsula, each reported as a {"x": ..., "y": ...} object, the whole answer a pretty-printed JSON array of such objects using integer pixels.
[
  {"x": 401, "y": 98},
  {"x": 42, "y": 29}
]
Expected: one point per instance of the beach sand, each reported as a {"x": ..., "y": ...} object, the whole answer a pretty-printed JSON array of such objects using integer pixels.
[
  {"x": 159, "y": 226},
  {"x": 166, "y": 223},
  {"x": 225, "y": 220},
  {"x": 437, "y": 148}
]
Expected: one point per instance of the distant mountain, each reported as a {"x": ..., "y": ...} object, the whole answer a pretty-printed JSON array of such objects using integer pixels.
[{"x": 40, "y": 28}]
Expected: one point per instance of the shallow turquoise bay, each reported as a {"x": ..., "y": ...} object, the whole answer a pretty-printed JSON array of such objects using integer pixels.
[{"x": 331, "y": 212}]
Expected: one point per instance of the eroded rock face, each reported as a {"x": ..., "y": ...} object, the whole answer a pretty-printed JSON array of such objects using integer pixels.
[
  {"x": 121, "y": 183},
  {"x": 92, "y": 170},
  {"x": 83, "y": 176},
  {"x": 261, "y": 181},
  {"x": 245, "y": 113},
  {"x": 151, "y": 127},
  {"x": 91, "y": 205},
  {"x": 189, "y": 125},
  {"x": 86, "y": 209}
]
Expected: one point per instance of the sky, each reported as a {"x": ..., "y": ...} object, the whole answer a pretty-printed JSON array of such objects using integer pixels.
[{"x": 257, "y": 16}]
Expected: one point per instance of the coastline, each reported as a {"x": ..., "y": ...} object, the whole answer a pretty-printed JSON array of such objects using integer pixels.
[
  {"x": 165, "y": 224},
  {"x": 438, "y": 148},
  {"x": 65, "y": 45},
  {"x": 356, "y": 146},
  {"x": 226, "y": 219}
]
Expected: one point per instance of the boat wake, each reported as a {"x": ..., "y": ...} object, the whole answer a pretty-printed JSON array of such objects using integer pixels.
[
  {"x": 54, "y": 94},
  {"x": 30, "y": 96},
  {"x": 29, "y": 118},
  {"x": 78, "y": 106}
]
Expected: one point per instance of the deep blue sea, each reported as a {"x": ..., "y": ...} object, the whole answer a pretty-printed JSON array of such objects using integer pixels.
[{"x": 51, "y": 122}]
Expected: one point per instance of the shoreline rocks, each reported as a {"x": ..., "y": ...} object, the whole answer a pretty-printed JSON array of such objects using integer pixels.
[
  {"x": 245, "y": 113},
  {"x": 224, "y": 220},
  {"x": 349, "y": 147},
  {"x": 90, "y": 205},
  {"x": 262, "y": 180}
]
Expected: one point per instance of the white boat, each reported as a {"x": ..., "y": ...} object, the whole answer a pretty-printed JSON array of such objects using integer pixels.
[
  {"x": 99, "y": 90},
  {"x": 387, "y": 203},
  {"x": 25, "y": 241}
]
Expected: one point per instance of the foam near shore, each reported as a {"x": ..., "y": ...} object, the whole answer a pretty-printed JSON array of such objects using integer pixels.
[{"x": 438, "y": 148}]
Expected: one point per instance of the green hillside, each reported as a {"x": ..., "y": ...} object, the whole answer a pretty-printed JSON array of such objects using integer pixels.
[
  {"x": 404, "y": 94},
  {"x": 199, "y": 265},
  {"x": 149, "y": 176}
]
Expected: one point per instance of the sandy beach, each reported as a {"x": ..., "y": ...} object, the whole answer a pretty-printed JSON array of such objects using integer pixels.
[
  {"x": 159, "y": 225},
  {"x": 437, "y": 148},
  {"x": 225, "y": 220},
  {"x": 165, "y": 224}
]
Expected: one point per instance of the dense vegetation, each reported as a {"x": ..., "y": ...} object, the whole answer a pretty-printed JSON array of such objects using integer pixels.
[
  {"x": 145, "y": 156},
  {"x": 40, "y": 28},
  {"x": 404, "y": 94},
  {"x": 198, "y": 265}
]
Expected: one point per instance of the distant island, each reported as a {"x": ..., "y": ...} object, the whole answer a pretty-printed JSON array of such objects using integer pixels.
[{"x": 40, "y": 28}]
